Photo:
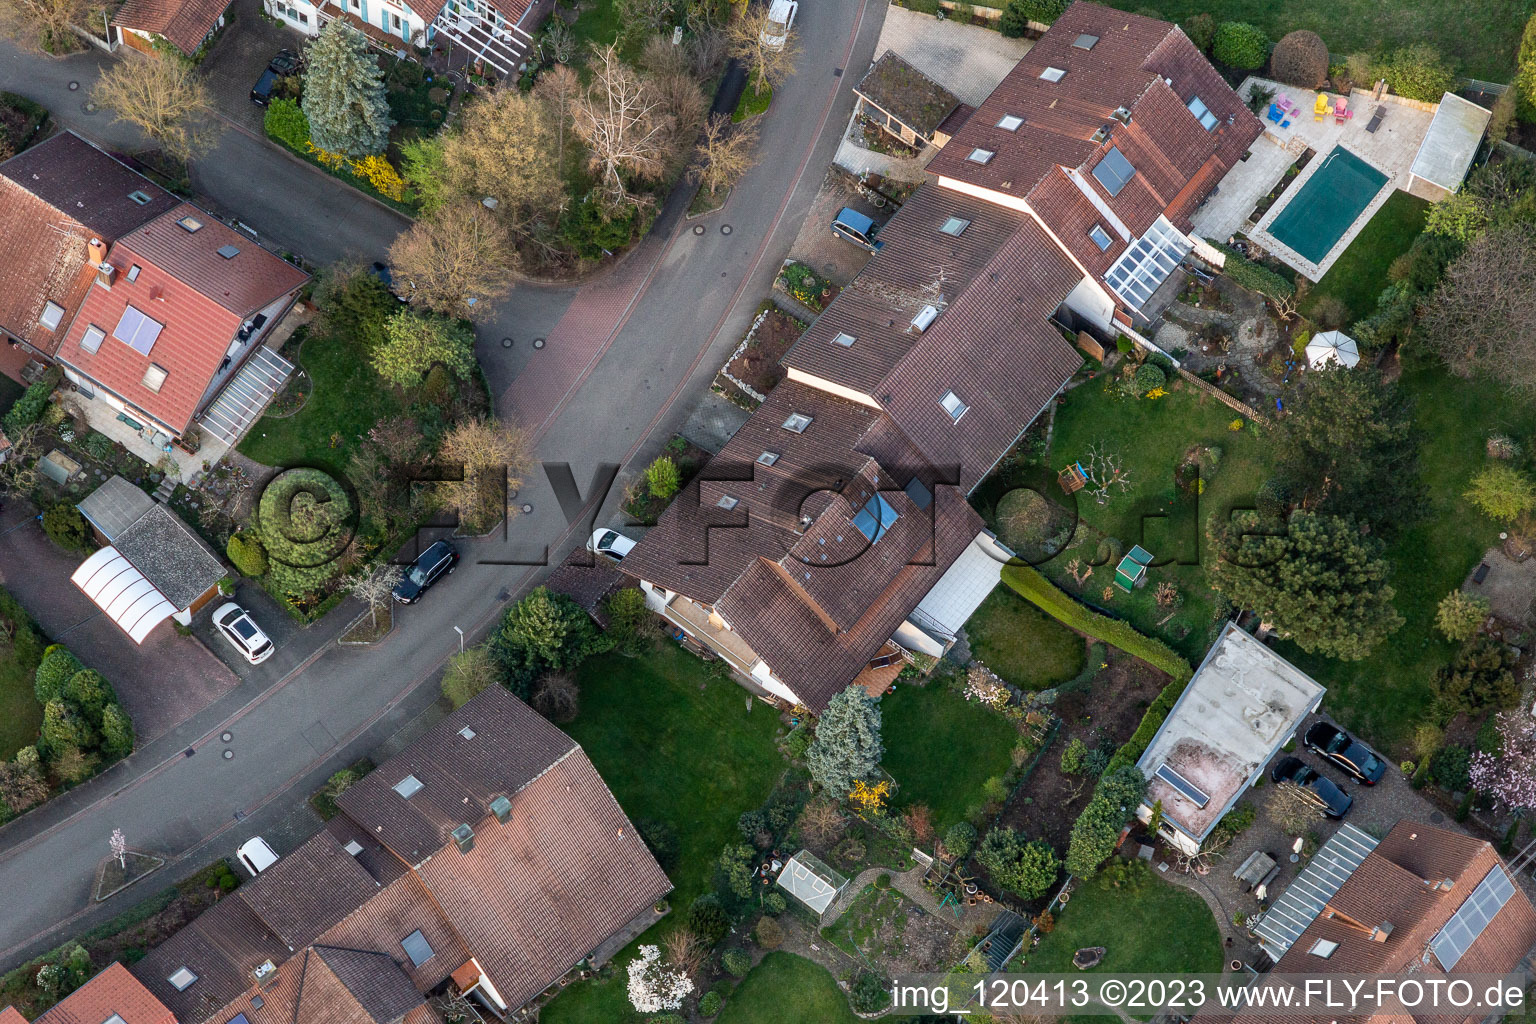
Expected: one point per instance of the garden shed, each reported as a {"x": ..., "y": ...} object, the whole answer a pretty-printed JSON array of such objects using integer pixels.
[
  {"x": 1448, "y": 148},
  {"x": 808, "y": 879},
  {"x": 908, "y": 104}
]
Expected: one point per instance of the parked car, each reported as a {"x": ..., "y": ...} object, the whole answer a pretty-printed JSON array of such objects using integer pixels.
[
  {"x": 853, "y": 226},
  {"x": 431, "y": 565},
  {"x": 256, "y": 855},
  {"x": 1345, "y": 751},
  {"x": 781, "y": 18},
  {"x": 237, "y": 626},
  {"x": 1330, "y": 799},
  {"x": 285, "y": 63},
  {"x": 261, "y": 92},
  {"x": 386, "y": 277},
  {"x": 611, "y": 543}
]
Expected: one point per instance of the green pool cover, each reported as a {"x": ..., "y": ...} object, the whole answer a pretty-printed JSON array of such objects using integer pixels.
[{"x": 1317, "y": 216}]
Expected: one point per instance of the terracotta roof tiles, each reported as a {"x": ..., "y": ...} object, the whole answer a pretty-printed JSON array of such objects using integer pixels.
[
  {"x": 185, "y": 23},
  {"x": 112, "y": 991}
]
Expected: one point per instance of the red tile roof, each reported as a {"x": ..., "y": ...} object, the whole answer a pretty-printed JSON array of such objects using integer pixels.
[
  {"x": 200, "y": 299},
  {"x": 185, "y": 23},
  {"x": 114, "y": 990},
  {"x": 11, "y": 1015}
]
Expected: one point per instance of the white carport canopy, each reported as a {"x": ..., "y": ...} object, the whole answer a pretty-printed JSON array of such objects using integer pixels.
[{"x": 123, "y": 593}]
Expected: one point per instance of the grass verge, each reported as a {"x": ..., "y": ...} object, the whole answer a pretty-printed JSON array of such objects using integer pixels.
[{"x": 752, "y": 102}]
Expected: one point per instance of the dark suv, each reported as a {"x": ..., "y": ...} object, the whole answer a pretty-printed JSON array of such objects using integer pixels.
[
  {"x": 284, "y": 64},
  {"x": 433, "y": 564}
]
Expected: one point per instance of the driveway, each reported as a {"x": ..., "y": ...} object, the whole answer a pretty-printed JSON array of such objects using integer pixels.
[
  {"x": 238, "y": 59},
  {"x": 833, "y": 258},
  {"x": 161, "y": 682}
]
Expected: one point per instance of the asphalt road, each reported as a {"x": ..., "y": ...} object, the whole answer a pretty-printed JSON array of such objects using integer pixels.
[{"x": 692, "y": 297}]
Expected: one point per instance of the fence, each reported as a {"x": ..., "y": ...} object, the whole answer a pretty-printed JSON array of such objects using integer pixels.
[{"x": 1236, "y": 405}]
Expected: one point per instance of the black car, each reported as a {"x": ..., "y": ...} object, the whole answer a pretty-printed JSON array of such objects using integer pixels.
[
  {"x": 385, "y": 277},
  {"x": 433, "y": 564},
  {"x": 261, "y": 92},
  {"x": 1330, "y": 799},
  {"x": 1345, "y": 751},
  {"x": 285, "y": 63}
]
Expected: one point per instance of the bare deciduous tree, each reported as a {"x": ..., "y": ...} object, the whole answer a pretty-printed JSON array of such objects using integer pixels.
[
  {"x": 620, "y": 119},
  {"x": 505, "y": 148},
  {"x": 164, "y": 99},
  {"x": 458, "y": 260},
  {"x": 766, "y": 64},
  {"x": 557, "y": 697},
  {"x": 686, "y": 951},
  {"x": 43, "y": 24},
  {"x": 375, "y": 586},
  {"x": 679, "y": 97},
  {"x": 726, "y": 152},
  {"x": 1482, "y": 319},
  {"x": 18, "y": 473},
  {"x": 823, "y": 821},
  {"x": 1106, "y": 471},
  {"x": 559, "y": 41},
  {"x": 484, "y": 447},
  {"x": 21, "y": 787},
  {"x": 558, "y": 89}
]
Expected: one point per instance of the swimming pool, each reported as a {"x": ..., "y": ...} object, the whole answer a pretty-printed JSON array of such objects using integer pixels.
[{"x": 1317, "y": 216}]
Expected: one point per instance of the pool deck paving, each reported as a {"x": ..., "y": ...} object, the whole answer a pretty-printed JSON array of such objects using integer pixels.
[{"x": 1390, "y": 149}]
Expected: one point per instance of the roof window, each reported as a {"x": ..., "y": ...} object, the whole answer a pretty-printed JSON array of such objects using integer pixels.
[
  {"x": 229, "y": 252},
  {"x": 1053, "y": 74},
  {"x": 955, "y": 226},
  {"x": 797, "y": 422},
  {"x": 1100, "y": 237},
  {"x": 353, "y": 847},
  {"x": 90, "y": 341},
  {"x": 953, "y": 405},
  {"x": 876, "y": 517},
  {"x": 53, "y": 315},
  {"x": 191, "y": 224},
  {"x": 154, "y": 377},
  {"x": 182, "y": 979},
  {"x": 843, "y": 339},
  {"x": 467, "y": 733},
  {"x": 137, "y": 331},
  {"x": 919, "y": 493},
  {"x": 1010, "y": 122},
  {"x": 1323, "y": 948},
  {"x": 1085, "y": 41},
  {"x": 768, "y": 458},
  {"x": 407, "y": 787},
  {"x": 727, "y": 502},
  {"x": 1113, "y": 171},
  {"x": 139, "y": 196},
  {"x": 417, "y": 948},
  {"x": 1202, "y": 113},
  {"x": 133, "y": 272},
  {"x": 981, "y": 156}
]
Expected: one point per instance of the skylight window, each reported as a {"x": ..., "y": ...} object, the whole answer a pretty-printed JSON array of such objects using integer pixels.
[
  {"x": 876, "y": 517},
  {"x": 133, "y": 272},
  {"x": 1323, "y": 948},
  {"x": 797, "y": 422},
  {"x": 191, "y": 224},
  {"x": 1010, "y": 122},
  {"x": 955, "y": 226},
  {"x": 91, "y": 340},
  {"x": 139, "y": 197},
  {"x": 768, "y": 458},
  {"x": 918, "y": 493},
  {"x": 1187, "y": 789},
  {"x": 1202, "y": 113},
  {"x": 467, "y": 733},
  {"x": 843, "y": 340},
  {"x": 981, "y": 156},
  {"x": 407, "y": 787},
  {"x": 1472, "y": 917},
  {"x": 353, "y": 847},
  {"x": 137, "y": 331},
  {"x": 727, "y": 502},
  {"x": 154, "y": 377},
  {"x": 229, "y": 252},
  {"x": 953, "y": 405},
  {"x": 1114, "y": 171},
  {"x": 417, "y": 948},
  {"x": 1100, "y": 237},
  {"x": 1085, "y": 41},
  {"x": 182, "y": 979},
  {"x": 1053, "y": 74},
  {"x": 53, "y": 314}
]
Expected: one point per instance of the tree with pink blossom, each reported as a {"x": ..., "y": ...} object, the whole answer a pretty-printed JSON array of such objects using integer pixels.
[{"x": 1509, "y": 774}]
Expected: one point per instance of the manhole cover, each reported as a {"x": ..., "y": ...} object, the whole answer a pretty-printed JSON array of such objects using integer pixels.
[
  {"x": 512, "y": 495},
  {"x": 506, "y": 342},
  {"x": 88, "y": 107},
  {"x": 226, "y": 736},
  {"x": 74, "y": 86},
  {"x": 725, "y": 229},
  {"x": 527, "y": 508},
  {"x": 229, "y": 754},
  {"x": 698, "y": 229},
  {"x": 1436, "y": 818},
  {"x": 538, "y": 342}
]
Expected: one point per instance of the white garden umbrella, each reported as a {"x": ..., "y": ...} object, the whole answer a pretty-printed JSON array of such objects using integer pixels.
[{"x": 1334, "y": 345}]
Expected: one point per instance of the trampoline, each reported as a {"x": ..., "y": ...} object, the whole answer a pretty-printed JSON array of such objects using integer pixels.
[{"x": 1338, "y": 192}]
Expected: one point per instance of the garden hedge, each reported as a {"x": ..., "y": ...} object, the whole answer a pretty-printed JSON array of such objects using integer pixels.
[
  {"x": 28, "y": 409},
  {"x": 1028, "y": 582},
  {"x": 1252, "y": 276},
  {"x": 1240, "y": 45},
  {"x": 1131, "y": 750}
]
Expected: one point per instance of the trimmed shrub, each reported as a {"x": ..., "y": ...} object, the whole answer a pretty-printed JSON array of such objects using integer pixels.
[
  {"x": 29, "y": 408},
  {"x": 247, "y": 553},
  {"x": 1201, "y": 30},
  {"x": 1460, "y": 615},
  {"x": 1418, "y": 72},
  {"x": 89, "y": 693},
  {"x": 116, "y": 731},
  {"x": 737, "y": 962},
  {"x": 305, "y": 521},
  {"x": 67, "y": 528},
  {"x": 1240, "y": 45},
  {"x": 1252, "y": 276},
  {"x": 1147, "y": 378},
  {"x": 1450, "y": 768},
  {"x": 1027, "y": 868},
  {"x": 774, "y": 903},
  {"x": 869, "y": 994},
  {"x": 662, "y": 478},
  {"x": 960, "y": 839},
  {"x": 708, "y": 919},
  {"x": 57, "y": 668},
  {"x": 286, "y": 122},
  {"x": 1525, "y": 73},
  {"x": 1300, "y": 58},
  {"x": 438, "y": 389},
  {"x": 769, "y": 933},
  {"x": 1018, "y": 13},
  {"x": 711, "y": 1004}
]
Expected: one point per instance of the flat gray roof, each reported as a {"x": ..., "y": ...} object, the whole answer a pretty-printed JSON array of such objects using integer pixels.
[
  {"x": 114, "y": 506},
  {"x": 1451, "y": 142},
  {"x": 170, "y": 556}
]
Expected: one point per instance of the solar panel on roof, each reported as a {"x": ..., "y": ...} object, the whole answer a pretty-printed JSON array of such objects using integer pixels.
[
  {"x": 1183, "y": 785},
  {"x": 1464, "y": 927}
]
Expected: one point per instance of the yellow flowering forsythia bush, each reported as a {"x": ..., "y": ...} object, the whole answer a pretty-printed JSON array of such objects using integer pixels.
[
  {"x": 326, "y": 157},
  {"x": 870, "y": 798},
  {"x": 378, "y": 172}
]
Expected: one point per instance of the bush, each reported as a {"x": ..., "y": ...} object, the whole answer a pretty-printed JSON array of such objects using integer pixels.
[
  {"x": 869, "y": 994},
  {"x": 1525, "y": 73},
  {"x": 751, "y": 823},
  {"x": 798, "y": 741},
  {"x": 1027, "y": 868},
  {"x": 1300, "y": 58},
  {"x": 708, "y": 919},
  {"x": 247, "y": 553},
  {"x": 89, "y": 693},
  {"x": 662, "y": 478},
  {"x": 305, "y": 521},
  {"x": 1240, "y": 45},
  {"x": 737, "y": 962},
  {"x": 1329, "y": 312},
  {"x": 631, "y": 623},
  {"x": 57, "y": 668},
  {"x": 28, "y": 409},
  {"x": 1418, "y": 72},
  {"x": 774, "y": 903},
  {"x": 1201, "y": 30},
  {"x": 1481, "y": 675},
  {"x": 662, "y": 840},
  {"x": 1450, "y": 768},
  {"x": 1018, "y": 13},
  {"x": 1460, "y": 615},
  {"x": 1072, "y": 757},
  {"x": 1250, "y": 275},
  {"x": 960, "y": 839},
  {"x": 711, "y": 1004},
  {"x": 286, "y": 122},
  {"x": 1147, "y": 378},
  {"x": 769, "y": 933},
  {"x": 67, "y": 528},
  {"x": 439, "y": 389},
  {"x": 468, "y": 674}
]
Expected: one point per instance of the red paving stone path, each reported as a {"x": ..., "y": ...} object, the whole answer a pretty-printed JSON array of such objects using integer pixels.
[{"x": 581, "y": 337}]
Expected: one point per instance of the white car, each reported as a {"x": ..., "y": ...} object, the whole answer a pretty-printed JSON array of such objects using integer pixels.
[
  {"x": 256, "y": 855},
  {"x": 611, "y": 543},
  {"x": 241, "y": 630},
  {"x": 781, "y": 18}
]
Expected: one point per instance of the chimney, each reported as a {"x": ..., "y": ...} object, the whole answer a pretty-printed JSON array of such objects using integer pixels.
[
  {"x": 1381, "y": 932},
  {"x": 105, "y": 273},
  {"x": 465, "y": 837},
  {"x": 502, "y": 808},
  {"x": 98, "y": 250}
]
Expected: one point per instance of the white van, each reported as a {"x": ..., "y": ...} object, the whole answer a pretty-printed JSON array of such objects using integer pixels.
[{"x": 256, "y": 855}]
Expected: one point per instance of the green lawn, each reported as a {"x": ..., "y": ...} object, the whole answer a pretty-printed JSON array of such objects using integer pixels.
[
  {"x": 1151, "y": 437},
  {"x": 597, "y": 25},
  {"x": 1480, "y": 41},
  {"x": 1360, "y": 273},
  {"x": 20, "y": 714},
  {"x": 1160, "y": 928},
  {"x": 1022, "y": 644},
  {"x": 348, "y": 399},
  {"x": 675, "y": 742},
  {"x": 787, "y": 988},
  {"x": 940, "y": 748}
]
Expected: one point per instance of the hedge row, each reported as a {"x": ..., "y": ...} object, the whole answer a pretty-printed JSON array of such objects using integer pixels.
[
  {"x": 28, "y": 409},
  {"x": 1028, "y": 582},
  {"x": 1157, "y": 712},
  {"x": 1252, "y": 276}
]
